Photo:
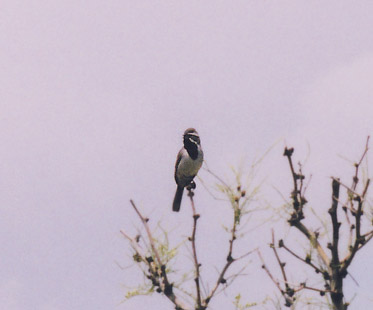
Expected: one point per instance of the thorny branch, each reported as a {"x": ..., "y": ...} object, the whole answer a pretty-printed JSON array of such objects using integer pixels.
[
  {"x": 156, "y": 270},
  {"x": 289, "y": 291},
  {"x": 157, "y": 273},
  {"x": 297, "y": 216},
  {"x": 334, "y": 270}
]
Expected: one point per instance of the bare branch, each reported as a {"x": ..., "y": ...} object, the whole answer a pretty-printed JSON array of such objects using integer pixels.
[
  {"x": 336, "y": 269},
  {"x": 157, "y": 269},
  {"x": 306, "y": 261},
  {"x": 355, "y": 179},
  {"x": 304, "y": 286},
  {"x": 297, "y": 215},
  {"x": 336, "y": 225},
  {"x": 150, "y": 237},
  {"x": 360, "y": 240},
  {"x": 197, "y": 265},
  {"x": 314, "y": 242},
  {"x": 288, "y": 293},
  {"x": 264, "y": 266},
  {"x": 337, "y": 277},
  {"x": 281, "y": 264},
  {"x": 237, "y": 214}
]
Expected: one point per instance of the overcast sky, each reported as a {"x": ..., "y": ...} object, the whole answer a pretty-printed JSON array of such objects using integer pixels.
[{"x": 95, "y": 96}]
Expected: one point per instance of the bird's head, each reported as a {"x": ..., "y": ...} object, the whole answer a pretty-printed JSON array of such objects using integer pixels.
[{"x": 191, "y": 135}]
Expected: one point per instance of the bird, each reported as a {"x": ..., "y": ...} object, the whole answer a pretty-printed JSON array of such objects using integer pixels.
[{"x": 188, "y": 162}]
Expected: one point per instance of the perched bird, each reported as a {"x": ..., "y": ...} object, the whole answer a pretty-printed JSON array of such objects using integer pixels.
[{"x": 189, "y": 160}]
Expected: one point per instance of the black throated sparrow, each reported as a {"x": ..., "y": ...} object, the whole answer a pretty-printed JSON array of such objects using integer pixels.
[{"x": 188, "y": 162}]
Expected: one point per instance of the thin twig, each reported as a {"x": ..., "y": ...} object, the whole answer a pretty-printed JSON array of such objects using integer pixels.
[
  {"x": 264, "y": 266},
  {"x": 282, "y": 265},
  {"x": 303, "y": 286},
  {"x": 166, "y": 287},
  {"x": 150, "y": 237},
  {"x": 360, "y": 240},
  {"x": 352, "y": 191},
  {"x": 197, "y": 265},
  {"x": 308, "y": 262},
  {"x": 216, "y": 176},
  {"x": 230, "y": 259},
  {"x": 153, "y": 271}
]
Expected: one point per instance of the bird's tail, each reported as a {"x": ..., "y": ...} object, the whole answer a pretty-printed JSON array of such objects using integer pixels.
[{"x": 177, "y": 199}]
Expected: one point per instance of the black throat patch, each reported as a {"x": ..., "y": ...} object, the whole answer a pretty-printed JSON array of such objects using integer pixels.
[{"x": 191, "y": 147}]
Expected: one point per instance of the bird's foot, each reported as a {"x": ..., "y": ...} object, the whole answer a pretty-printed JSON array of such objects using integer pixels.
[{"x": 191, "y": 185}]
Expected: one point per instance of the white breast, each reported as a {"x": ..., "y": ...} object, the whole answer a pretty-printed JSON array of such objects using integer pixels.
[{"x": 188, "y": 167}]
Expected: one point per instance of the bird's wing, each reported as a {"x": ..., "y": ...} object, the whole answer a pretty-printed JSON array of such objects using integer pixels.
[{"x": 178, "y": 159}]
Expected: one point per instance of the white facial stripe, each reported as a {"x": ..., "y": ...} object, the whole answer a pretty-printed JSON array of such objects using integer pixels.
[
  {"x": 193, "y": 134},
  {"x": 191, "y": 140}
]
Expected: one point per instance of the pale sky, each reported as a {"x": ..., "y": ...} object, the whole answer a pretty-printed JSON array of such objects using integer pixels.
[{"x": 95, "y": 96}]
